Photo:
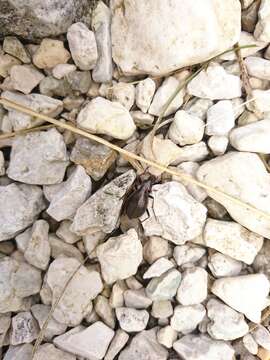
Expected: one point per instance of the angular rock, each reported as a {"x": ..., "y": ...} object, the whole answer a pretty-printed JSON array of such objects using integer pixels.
[
  {"x": 136, "y": 50},
  {"x": 142, "y": 120},
  {"x": 186, "y": 129},
  {"x": 202, "y": 347},
  {"x": 61, "y": 70},
  {"x": 225, "y": 173},
  {"x": 166, "y": 336},
  {"x": 37, "y": 252},
  {"x": 232, "y": 239},
  {"x": 83, "y": 47},
  {"x": 25, "y": 78},
  {"x": 226, "y": 323},
  {"x": 19, "y": 207},
  {"x": 79, "y": 81},
  {"x": 218, "y": 144},
  {"x": 193, "y": 287},
  {"x": 50, "y": 352},
  {"x": 24, "y": 329},
  {"x": 252, "y": 137},
  {"x": 38, "y": 19},
  {"x": 220, "y": 118},
  {"x": 101, "y": 23},
  {"x": 155, "y": 248},
  {"x": 26, "y": 281},
  {"x": 137, "y": 299},
  {"x": 162, "y": 309},
  {"x": 65, "y": 234},
  {"x": 19, "y": 352},
  {"x": 195, "y": 152},
  {"x": 38, "y": 158},
  {"x": 215, "y": 83},
  {"x": 123, "y": 93},
  {"x": 6, "y": 63},
  {"x": 132, "y": 320},
  {"x": 258, "y": 67},
  {"x": 185, "y": 319},
  {"x": 223, "y": 265},
  {"x": 262, "y": 336},
  {"x": 60, "y": 248},
  {"x": 40, "y": 313},
  {"x": 37, "y": 102},
  {"x": 165, "y": 286},
  {"x": 159, "y": 267},
  {"x": 71, "y": 195},
  {"x": 2, "y": 164},
  {"x": 144, "y": 94},
  {"x": 50, "y": 53},
  {"x": 84, "y": 286},
  {"x": 261, "y": 102},
  {"x": 118, "y": 342},
  {"x": 102, "y": 210},
  {"x": 95, "y": 158},
  {"x": 254, "y": 289},
  {"x": 91, "y": 342},
  {"x": 14, "y": 47},
  {"x": 163, "y": 96},
  {"x": 120, "y": 256},
  {"x": 50, "y": 86},
  {"x": 262, "y": 30},
  {"x": 101, "y": 116},
  {"x": 144, "y": 346},
  {"x": 175, "y": 215},
  {"x": 184, "y": 254},
  {"x": 105, "y": 311}
]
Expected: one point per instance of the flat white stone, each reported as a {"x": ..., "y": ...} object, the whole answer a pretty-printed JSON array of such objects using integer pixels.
[
  {"x": 19, "y": 352},
  {"x": 101, "y": 116},
  {"x": 195, "y": 152},
  {"x": 145, "y": 91},
  {"x": 165, "y": 286},
  {"x": 225, "y": 173},
  {"x": 222, "y": 265},
  {"x": 60, "y": 248},
  {"x": 132, "y": 320},
  {"x": 250, "y": 344},
  {"x": 163, "y": 96},
  {"x": 102, "y": 210},
  {"x": 50, "y": 53},
  {"x": 50, "y": 352},
  {"x": 246, "y": 294},
  {"x": 24, "y": 329},
  {"x": 137, "y": 299},
  {"x": 83, "y": 47},
  {"x": 262, "y": 30},
  {"x": 90, "y": 343},
  {"x": 72, "y": 194},
  {"x": 19, "y": 207},
  {"x": 193, "y": 287},
  {"x": 159, "y": 267},
  {"x": 84, "y": 286},
  {"x": 105, "y": 311},
  {"x": 65, "y": 234},
  {"x": 220, "y": 118},
  {"x": 186, "y": 129},
  {"x": 26, "y": 281},
  {"x": 202, "y": 347},
  {"x": 38, "y": 158},
  {"x": 215, "y": 83},
  {"x": 262, "y": 336},
  {"x": 226, "y": 323},
  {"x": 118, "y": 342},
  {"x": 185, "y": 319},
  {"x": 175, "y": 215},
  {"x": 25, "y": 78},
  {"x": 232, "y": 239},
  {"x": 252, "y": 137},
  {"x": 120, "y": 256},
  {"x": 136, "y": 50}
]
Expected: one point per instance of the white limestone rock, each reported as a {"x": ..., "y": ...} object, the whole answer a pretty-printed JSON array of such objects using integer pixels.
[
  {"x": 262, "y": 336},
  {"x": 159, "y": 267},
  {"x": 19, "y": 352},
  {"x": 83, "y": 47},
  {"x": 166, "y": 336},
  {"x": 145, "y": 91},
  {"x": 186, "y": 129},
  {"x": 165, "y": 286},
  {"x": 37, "y": 250},
  {"x": 232, "y": 239},
  {"x": 174, "y": 214},
  {"x": 155, "y": 248},
  {"x": 84, "y": 286},
  {"x": 262, "y": 30},
  {"x": 136, "y": 50},
  {"x": 24, "y": 329},
  {"x": 90, "y": 343},
  {"x": 187, "y": 254},
  {"x": 50, "y": 352},
  {"x": 62, "y": 70},
  {"x": 162, "y": 309},
  {"x": 185, "y": 319},
  {"x": 132, "y": 320},
  {"x": 13, "y": 46},
  {"x": 38, "y": 158},
  {"x": 222, "y": 265},
  {"x": 101, "y": 23},
  {"x": 215, "y": 83},
  {"x": 102, "y": 210},
  {"x": 144, "y": 346},
  {"x": 26, "y": 280},
  {"x": 195, "y": 152},
  {"x": 225, "y": 173},
  {"x": 71, "y": 195},
  {"x": 60, "y": 248},
  {"x": 220, "y": 118},
  {"x": 118, "y": 342},
  {"x": 202, "y": 347},
  {"x": 25, "y": 78},
  {"x": 137, "y": 299},
  {"x": 163, "y": 96},
  {"x": 50, "y": 53},
  {"x": 142, "y": 120},
  {"x": 252, "y": 137},
  {"x": 218, "y": 144},
  {"x": 2, "y": 164},
  {"x": 37, "y": 102},
  {"x": 258, "y": 67},
  {"x": 101, "y": 116},
  {"x": 65, "y": 234},
  {"x": 19, "y": 207},
  {"x": 226, "y": 323},
  {"x": 193, "y": 287},
  {"x": 123, "y": 93},
  {"x": 246, "y": 294},
  {"x": 120, "y": 256},
  {"x": 105, "y": 311}
]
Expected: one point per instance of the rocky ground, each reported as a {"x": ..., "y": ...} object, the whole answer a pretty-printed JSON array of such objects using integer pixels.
[{"x": 94, "y": 264}]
